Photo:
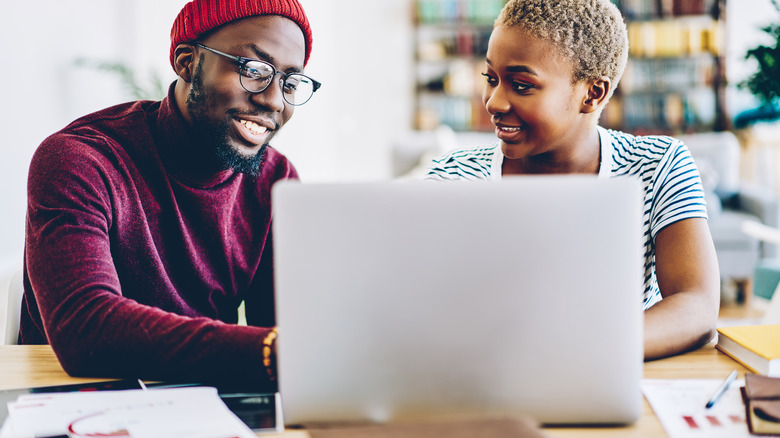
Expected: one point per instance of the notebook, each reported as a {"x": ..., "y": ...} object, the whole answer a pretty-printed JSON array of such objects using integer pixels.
[
  {"x": 257, "y": 410},
  {"x": 755, "y": 346},
  {"x": 409, "y": 300}
]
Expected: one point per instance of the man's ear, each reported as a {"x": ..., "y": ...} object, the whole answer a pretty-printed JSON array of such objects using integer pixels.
[
  {"x": 598, "y": 93},
  {"x": 184, "y": 61}
]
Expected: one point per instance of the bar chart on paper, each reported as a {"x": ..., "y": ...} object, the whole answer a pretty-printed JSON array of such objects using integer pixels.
[{"x": 680, "y": 406}]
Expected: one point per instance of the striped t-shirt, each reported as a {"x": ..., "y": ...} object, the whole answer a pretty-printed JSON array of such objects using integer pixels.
[{"x": 671, "y": 183}]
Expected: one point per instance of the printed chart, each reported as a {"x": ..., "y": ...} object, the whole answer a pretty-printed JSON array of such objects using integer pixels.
[{"x": 680, "y": 406}]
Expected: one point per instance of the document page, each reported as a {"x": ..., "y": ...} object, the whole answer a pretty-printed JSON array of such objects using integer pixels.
[
  {"x": 680, "y": 404},
  {"x": 195, "y": 412}
]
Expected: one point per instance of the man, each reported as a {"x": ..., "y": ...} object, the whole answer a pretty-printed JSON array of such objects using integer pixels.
[{"x": 148, "y": 223}]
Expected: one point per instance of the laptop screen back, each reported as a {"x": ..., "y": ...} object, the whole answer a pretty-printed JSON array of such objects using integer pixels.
[{"x": 404, "y": 300}]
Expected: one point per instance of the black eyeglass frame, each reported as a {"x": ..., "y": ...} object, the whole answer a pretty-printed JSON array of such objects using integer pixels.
[{"x": 242, "y": 62}]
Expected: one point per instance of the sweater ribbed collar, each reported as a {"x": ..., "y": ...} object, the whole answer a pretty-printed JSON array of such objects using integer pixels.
[{"x": 175, "y": 146}]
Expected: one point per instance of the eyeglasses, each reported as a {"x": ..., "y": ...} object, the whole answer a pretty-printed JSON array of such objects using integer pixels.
[{"x": 256, "y": 75}]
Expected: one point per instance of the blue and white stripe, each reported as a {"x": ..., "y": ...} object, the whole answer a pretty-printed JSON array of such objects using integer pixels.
[{"x": 669, "y": 177}]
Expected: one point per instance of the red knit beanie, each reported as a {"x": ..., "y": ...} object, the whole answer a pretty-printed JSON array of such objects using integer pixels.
[{"x": 200, "y": 16}]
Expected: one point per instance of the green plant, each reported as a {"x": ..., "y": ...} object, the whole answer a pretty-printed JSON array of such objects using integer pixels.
[
  {"x": 765, "y": 83},
  {"x": 155, "y": 90}
]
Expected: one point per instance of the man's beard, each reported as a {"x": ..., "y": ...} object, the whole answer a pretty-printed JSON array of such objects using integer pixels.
[{"x": 211, "y": 137}]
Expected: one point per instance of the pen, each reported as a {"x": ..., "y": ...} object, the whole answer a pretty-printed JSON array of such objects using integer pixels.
[{"x": 722, "y": 389}]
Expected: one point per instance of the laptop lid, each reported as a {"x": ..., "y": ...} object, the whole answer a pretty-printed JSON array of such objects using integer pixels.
[{"x": 400, "y": 300}]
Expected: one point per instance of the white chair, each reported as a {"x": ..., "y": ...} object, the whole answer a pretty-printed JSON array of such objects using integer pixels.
[
  {"x": 731, "y": 201},
  {"x": 769, "y": 235},
  {"x": 13, "y": 307}
]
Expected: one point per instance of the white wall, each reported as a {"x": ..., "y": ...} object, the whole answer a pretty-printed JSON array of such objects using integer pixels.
[
  {"x": 43, "y": 89},
  {"x": 361, "y": 53}
]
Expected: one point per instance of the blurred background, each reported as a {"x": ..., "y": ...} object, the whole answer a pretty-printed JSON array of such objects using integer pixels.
[{"x": 401, "y": 84}]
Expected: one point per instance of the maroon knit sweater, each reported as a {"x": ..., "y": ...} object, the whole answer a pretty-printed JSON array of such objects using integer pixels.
[{"x": 135, "y": 269}]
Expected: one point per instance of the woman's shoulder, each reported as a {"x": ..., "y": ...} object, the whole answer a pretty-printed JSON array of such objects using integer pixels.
[
  {"x": 471, "y": 153},
  {"x": 469, "y": 162},
  {"x": 628, "y": 148},
  {"x": 643, "y": 144}
]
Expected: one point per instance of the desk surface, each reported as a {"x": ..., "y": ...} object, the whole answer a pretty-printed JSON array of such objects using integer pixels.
[{"x": 30, "y": 366}]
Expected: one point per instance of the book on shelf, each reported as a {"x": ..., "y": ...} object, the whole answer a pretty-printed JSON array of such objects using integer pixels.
[
  {"x": 446, "y": 44},
  {"x": 643, "y": 9},
  {"x": 667, "y": 75},
  {"x": 664, "y": 112},
  {"x": 757, "y": 347},
  {"x": 458, "y": 11},
  {"x": 675, "y": 38}
]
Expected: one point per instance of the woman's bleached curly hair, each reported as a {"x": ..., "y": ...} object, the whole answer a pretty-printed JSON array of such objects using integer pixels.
[{"x": 591, "y": 34}]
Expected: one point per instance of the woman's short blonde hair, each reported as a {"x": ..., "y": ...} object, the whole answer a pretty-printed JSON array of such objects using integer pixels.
[{"x": 591, "y": 34}]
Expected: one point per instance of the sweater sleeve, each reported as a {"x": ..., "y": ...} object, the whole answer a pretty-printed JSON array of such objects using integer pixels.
[{"x": 94, "y": 330}]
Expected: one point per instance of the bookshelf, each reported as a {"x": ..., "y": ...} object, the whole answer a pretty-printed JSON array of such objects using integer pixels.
[
  {"x": 675, "y": 78},
  {"x": 674, "y": 82},
  {"x": 450, "y": 41}
]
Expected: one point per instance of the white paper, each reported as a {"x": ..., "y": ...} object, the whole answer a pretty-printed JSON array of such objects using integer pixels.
[
  {"x": 5, "y": 430},
  {"x": 193, "y": 412},
  {"x": 679, "y": 405}
]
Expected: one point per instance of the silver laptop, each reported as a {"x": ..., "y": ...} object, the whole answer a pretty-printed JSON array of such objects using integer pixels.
[{"x": 407, "y": 300}]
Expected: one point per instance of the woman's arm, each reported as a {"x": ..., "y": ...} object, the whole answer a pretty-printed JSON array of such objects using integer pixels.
[{"x": 689, "y": 280}]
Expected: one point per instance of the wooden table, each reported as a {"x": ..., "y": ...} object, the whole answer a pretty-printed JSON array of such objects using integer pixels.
[{"x": 29, "y": 366}]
